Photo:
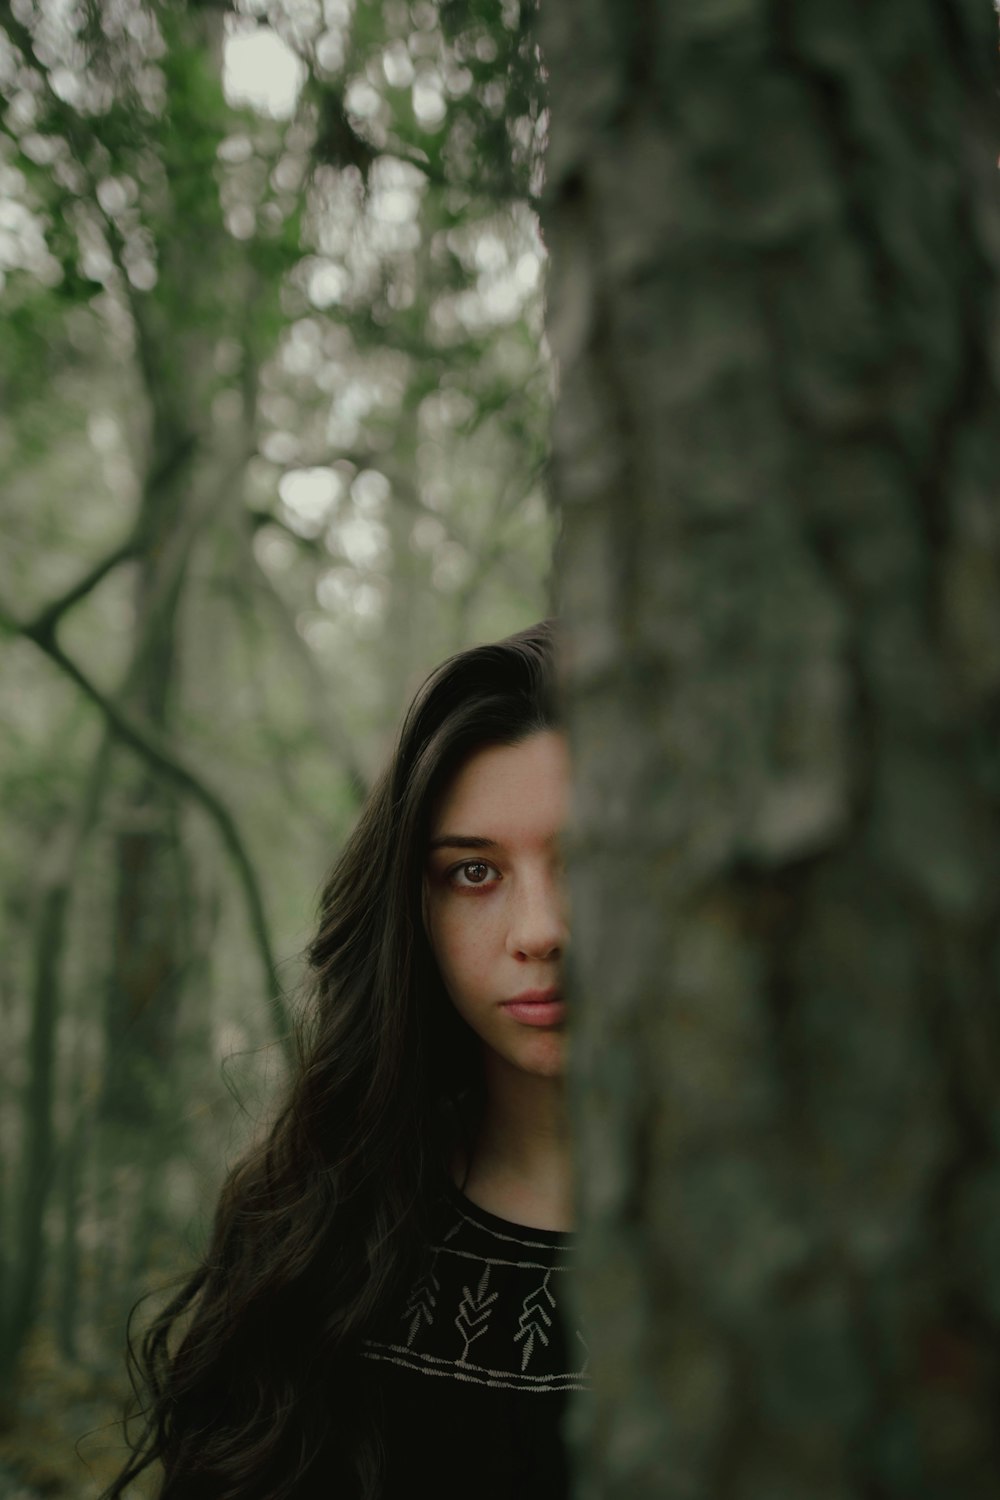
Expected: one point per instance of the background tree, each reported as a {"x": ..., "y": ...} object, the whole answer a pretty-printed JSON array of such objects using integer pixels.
[
  {"x": 274, "y": 400},
  {"x": 774, "y": 234}
]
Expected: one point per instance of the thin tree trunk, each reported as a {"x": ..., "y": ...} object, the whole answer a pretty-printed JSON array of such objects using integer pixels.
[
  {"x": 68, "y": 1303},
  {"x": 774, "y": 241},
  {"x": 23, "y": 1283},
  {"x": 39, "y": 1155},
  {"x": 145, "y": 984},
  {"x": 145, "y": 972}
]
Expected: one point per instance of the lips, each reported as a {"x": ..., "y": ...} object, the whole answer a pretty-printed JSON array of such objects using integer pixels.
[{"x": 537, "y": 1007}]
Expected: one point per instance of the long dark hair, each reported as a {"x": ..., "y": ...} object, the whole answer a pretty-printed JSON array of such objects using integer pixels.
[{"x": 320, "y": 1227}]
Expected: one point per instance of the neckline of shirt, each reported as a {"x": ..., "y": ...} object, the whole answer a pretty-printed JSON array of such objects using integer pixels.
[{"x": 523, "y": 1234}]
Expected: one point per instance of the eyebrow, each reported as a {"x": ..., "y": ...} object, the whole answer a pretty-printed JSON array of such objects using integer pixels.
[{"x": 461, "y": 841}]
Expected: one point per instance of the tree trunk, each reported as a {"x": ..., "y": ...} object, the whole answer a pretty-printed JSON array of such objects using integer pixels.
[
  {"x": 38, "y": 1159},
  {"x": 174, "y": 344},
  {"x": 146, "y": 967},
  {"x": 73, "y": 1160},
  {"x": 774, "y": 241},
  {"x": 21, "y": 1286}
]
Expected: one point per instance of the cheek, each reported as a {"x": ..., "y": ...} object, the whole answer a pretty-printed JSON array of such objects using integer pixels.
[{"x": 460, "y": 939}]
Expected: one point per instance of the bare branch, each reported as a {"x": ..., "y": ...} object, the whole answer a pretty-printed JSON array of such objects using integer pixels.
[
  {"x": 163, "y": 758},
  {"x": 46, "y": 620}
]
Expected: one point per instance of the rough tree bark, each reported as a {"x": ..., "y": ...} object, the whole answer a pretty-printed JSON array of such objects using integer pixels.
[{"x": 774, "y": 234}]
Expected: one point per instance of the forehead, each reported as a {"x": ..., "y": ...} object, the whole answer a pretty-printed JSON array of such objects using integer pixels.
[{"x": 508, "y": 792}]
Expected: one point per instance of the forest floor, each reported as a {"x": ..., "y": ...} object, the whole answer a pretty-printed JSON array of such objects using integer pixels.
[{"x": 63, "y": 1435}]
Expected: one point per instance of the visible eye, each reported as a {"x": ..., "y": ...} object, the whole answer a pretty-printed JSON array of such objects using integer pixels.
[{"x": 475, "y": 872}]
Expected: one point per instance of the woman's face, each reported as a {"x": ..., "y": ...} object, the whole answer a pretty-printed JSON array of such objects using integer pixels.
[{"x": 496, "y": 915}]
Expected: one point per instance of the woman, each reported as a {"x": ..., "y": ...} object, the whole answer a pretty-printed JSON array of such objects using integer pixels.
[{"x": 380, "y": 1306}]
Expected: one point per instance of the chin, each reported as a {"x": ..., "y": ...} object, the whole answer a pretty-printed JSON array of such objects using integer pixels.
[
  {"x": 546, "y": 1059},
  {"x": 541, "y": 1055}
]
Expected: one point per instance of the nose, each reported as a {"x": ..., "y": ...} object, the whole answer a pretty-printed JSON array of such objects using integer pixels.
[{"x": 538, "y": 926}]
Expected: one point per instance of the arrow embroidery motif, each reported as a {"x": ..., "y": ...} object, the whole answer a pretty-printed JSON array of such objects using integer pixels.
[
  {"x": 474, "y": 1313},
  {"x": 423, "y": 1300},
  {"x": 535, "y": 1319}
]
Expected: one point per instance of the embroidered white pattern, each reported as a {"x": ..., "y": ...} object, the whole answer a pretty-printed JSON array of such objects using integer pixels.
[
  {"x": 492, "y": 1260},
  {"x": 474, "y": 1313},
  {"x": 423, "y": 1300},
  {"x": 430, "y": 1364},
  {"x": 535, "y": 1319},
  {"x": 507, "y": 1318}
]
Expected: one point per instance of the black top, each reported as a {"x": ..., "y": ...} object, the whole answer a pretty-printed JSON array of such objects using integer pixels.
[{"x": 474, "y": 1370}]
